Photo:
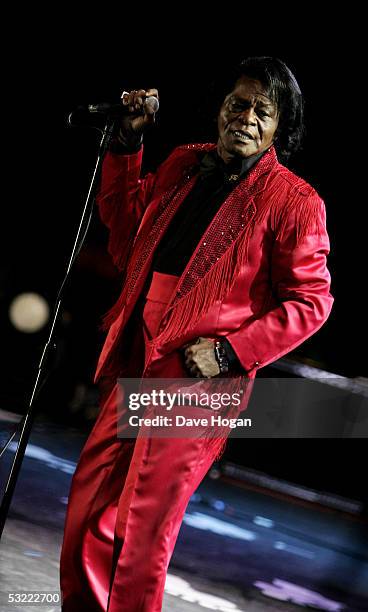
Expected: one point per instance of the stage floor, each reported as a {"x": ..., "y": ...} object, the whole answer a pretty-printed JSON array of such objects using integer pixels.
[{"x": 238, "y": 550}]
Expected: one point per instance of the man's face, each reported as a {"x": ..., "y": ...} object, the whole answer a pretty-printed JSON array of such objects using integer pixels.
[{"x": 247, "y": 121}]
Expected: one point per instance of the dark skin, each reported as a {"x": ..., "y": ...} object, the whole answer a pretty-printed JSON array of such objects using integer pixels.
[
  {"x": 247, "y": 121},
  {"x": 247, "y": 125}
]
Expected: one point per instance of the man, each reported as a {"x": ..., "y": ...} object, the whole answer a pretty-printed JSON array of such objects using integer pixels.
[{"x": 223, "y": 254}]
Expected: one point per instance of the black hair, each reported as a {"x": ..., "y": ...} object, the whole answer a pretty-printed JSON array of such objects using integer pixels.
[{"x": 283, "y": 90}]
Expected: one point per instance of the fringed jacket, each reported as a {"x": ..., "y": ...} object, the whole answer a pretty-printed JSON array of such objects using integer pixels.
[{"x": 258, "y": 276}]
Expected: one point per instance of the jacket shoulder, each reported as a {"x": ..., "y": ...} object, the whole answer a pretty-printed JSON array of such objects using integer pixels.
[
  {"x": 294, "y": 183},
  {"x": 180, "y": 161},
  {"x": 296, "y": 206},
  {"x": 186, "y": 155}
]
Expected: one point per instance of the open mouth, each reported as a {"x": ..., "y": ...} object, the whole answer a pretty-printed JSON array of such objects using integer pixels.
[{"x": 243, "y": 136}]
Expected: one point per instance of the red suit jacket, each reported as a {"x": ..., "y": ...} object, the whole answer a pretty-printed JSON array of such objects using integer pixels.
[{"x": 258, "y": 275}]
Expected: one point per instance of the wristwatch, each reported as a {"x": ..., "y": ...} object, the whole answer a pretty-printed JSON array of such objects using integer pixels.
[{"x": 221, "y": 357}]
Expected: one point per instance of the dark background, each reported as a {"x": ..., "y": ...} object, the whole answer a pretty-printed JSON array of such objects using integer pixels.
[{"x": 47, "y": 169}]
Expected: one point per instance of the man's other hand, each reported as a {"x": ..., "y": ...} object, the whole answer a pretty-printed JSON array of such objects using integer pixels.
[{"x": 200, "y": 358}]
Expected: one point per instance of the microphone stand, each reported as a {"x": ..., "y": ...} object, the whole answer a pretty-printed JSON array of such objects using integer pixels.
[{"x": 28, "y": 419}]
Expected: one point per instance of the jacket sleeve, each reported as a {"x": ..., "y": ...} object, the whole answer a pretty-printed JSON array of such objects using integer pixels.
[
  {"x": 121, "y": 200},
  {"x": 300, "y": 285}
]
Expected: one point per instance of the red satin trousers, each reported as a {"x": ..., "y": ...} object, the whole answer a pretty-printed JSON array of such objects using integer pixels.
[{"x": 126, "y": 504}]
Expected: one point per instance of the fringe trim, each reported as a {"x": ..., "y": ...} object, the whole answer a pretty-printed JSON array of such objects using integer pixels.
[
  {"x": 301, "y": 215},
  {"x": 308, "y": 218},
  {"x": 213, "y": 287},
  {"x": 215, "y": 438}
]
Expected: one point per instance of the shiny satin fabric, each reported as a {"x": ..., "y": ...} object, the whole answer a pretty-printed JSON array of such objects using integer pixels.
[
  {"x": 127, "y": 501},
  {"x": 273, "y": 292}
]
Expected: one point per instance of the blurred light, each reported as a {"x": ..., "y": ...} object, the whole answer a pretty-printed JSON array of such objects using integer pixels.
[
  {"x": 287, "y": 591},
  {"x": 50, "y": 460},
  {"x": 214, "y": 473},
  {"x": 294, "y": 550},
  {"x": 218, "y": 505},
  {"x": 29, "y": 312},
  {"x": 209, "y": 523},
  {"x": 263, "y": 521},
  {"x": 266, "y": 481}
]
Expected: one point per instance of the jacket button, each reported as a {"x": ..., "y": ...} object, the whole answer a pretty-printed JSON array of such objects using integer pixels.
[{"x": 256, "y": 364}]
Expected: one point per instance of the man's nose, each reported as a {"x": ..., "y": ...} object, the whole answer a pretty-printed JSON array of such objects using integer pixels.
[{"x": 248, "y": 116}]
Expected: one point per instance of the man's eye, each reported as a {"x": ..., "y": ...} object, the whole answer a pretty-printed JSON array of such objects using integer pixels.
[
  {"x": 262, "y": 113},
  {"x": 235, "y": 108}
]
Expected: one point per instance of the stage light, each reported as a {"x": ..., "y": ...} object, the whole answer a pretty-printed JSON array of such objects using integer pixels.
[{"x": 29, "y": 312}]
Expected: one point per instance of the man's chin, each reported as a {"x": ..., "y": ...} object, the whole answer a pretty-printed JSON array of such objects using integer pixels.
[
  {"x": 229, "y": 150},
  {"x": 244, "y": 149}
]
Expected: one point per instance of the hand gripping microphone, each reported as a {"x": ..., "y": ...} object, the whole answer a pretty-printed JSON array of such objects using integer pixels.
[{"x": 150, "y": 106}]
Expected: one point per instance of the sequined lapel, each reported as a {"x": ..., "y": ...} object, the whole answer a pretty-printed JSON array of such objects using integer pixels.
[{"x": 233, "y": 217}]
